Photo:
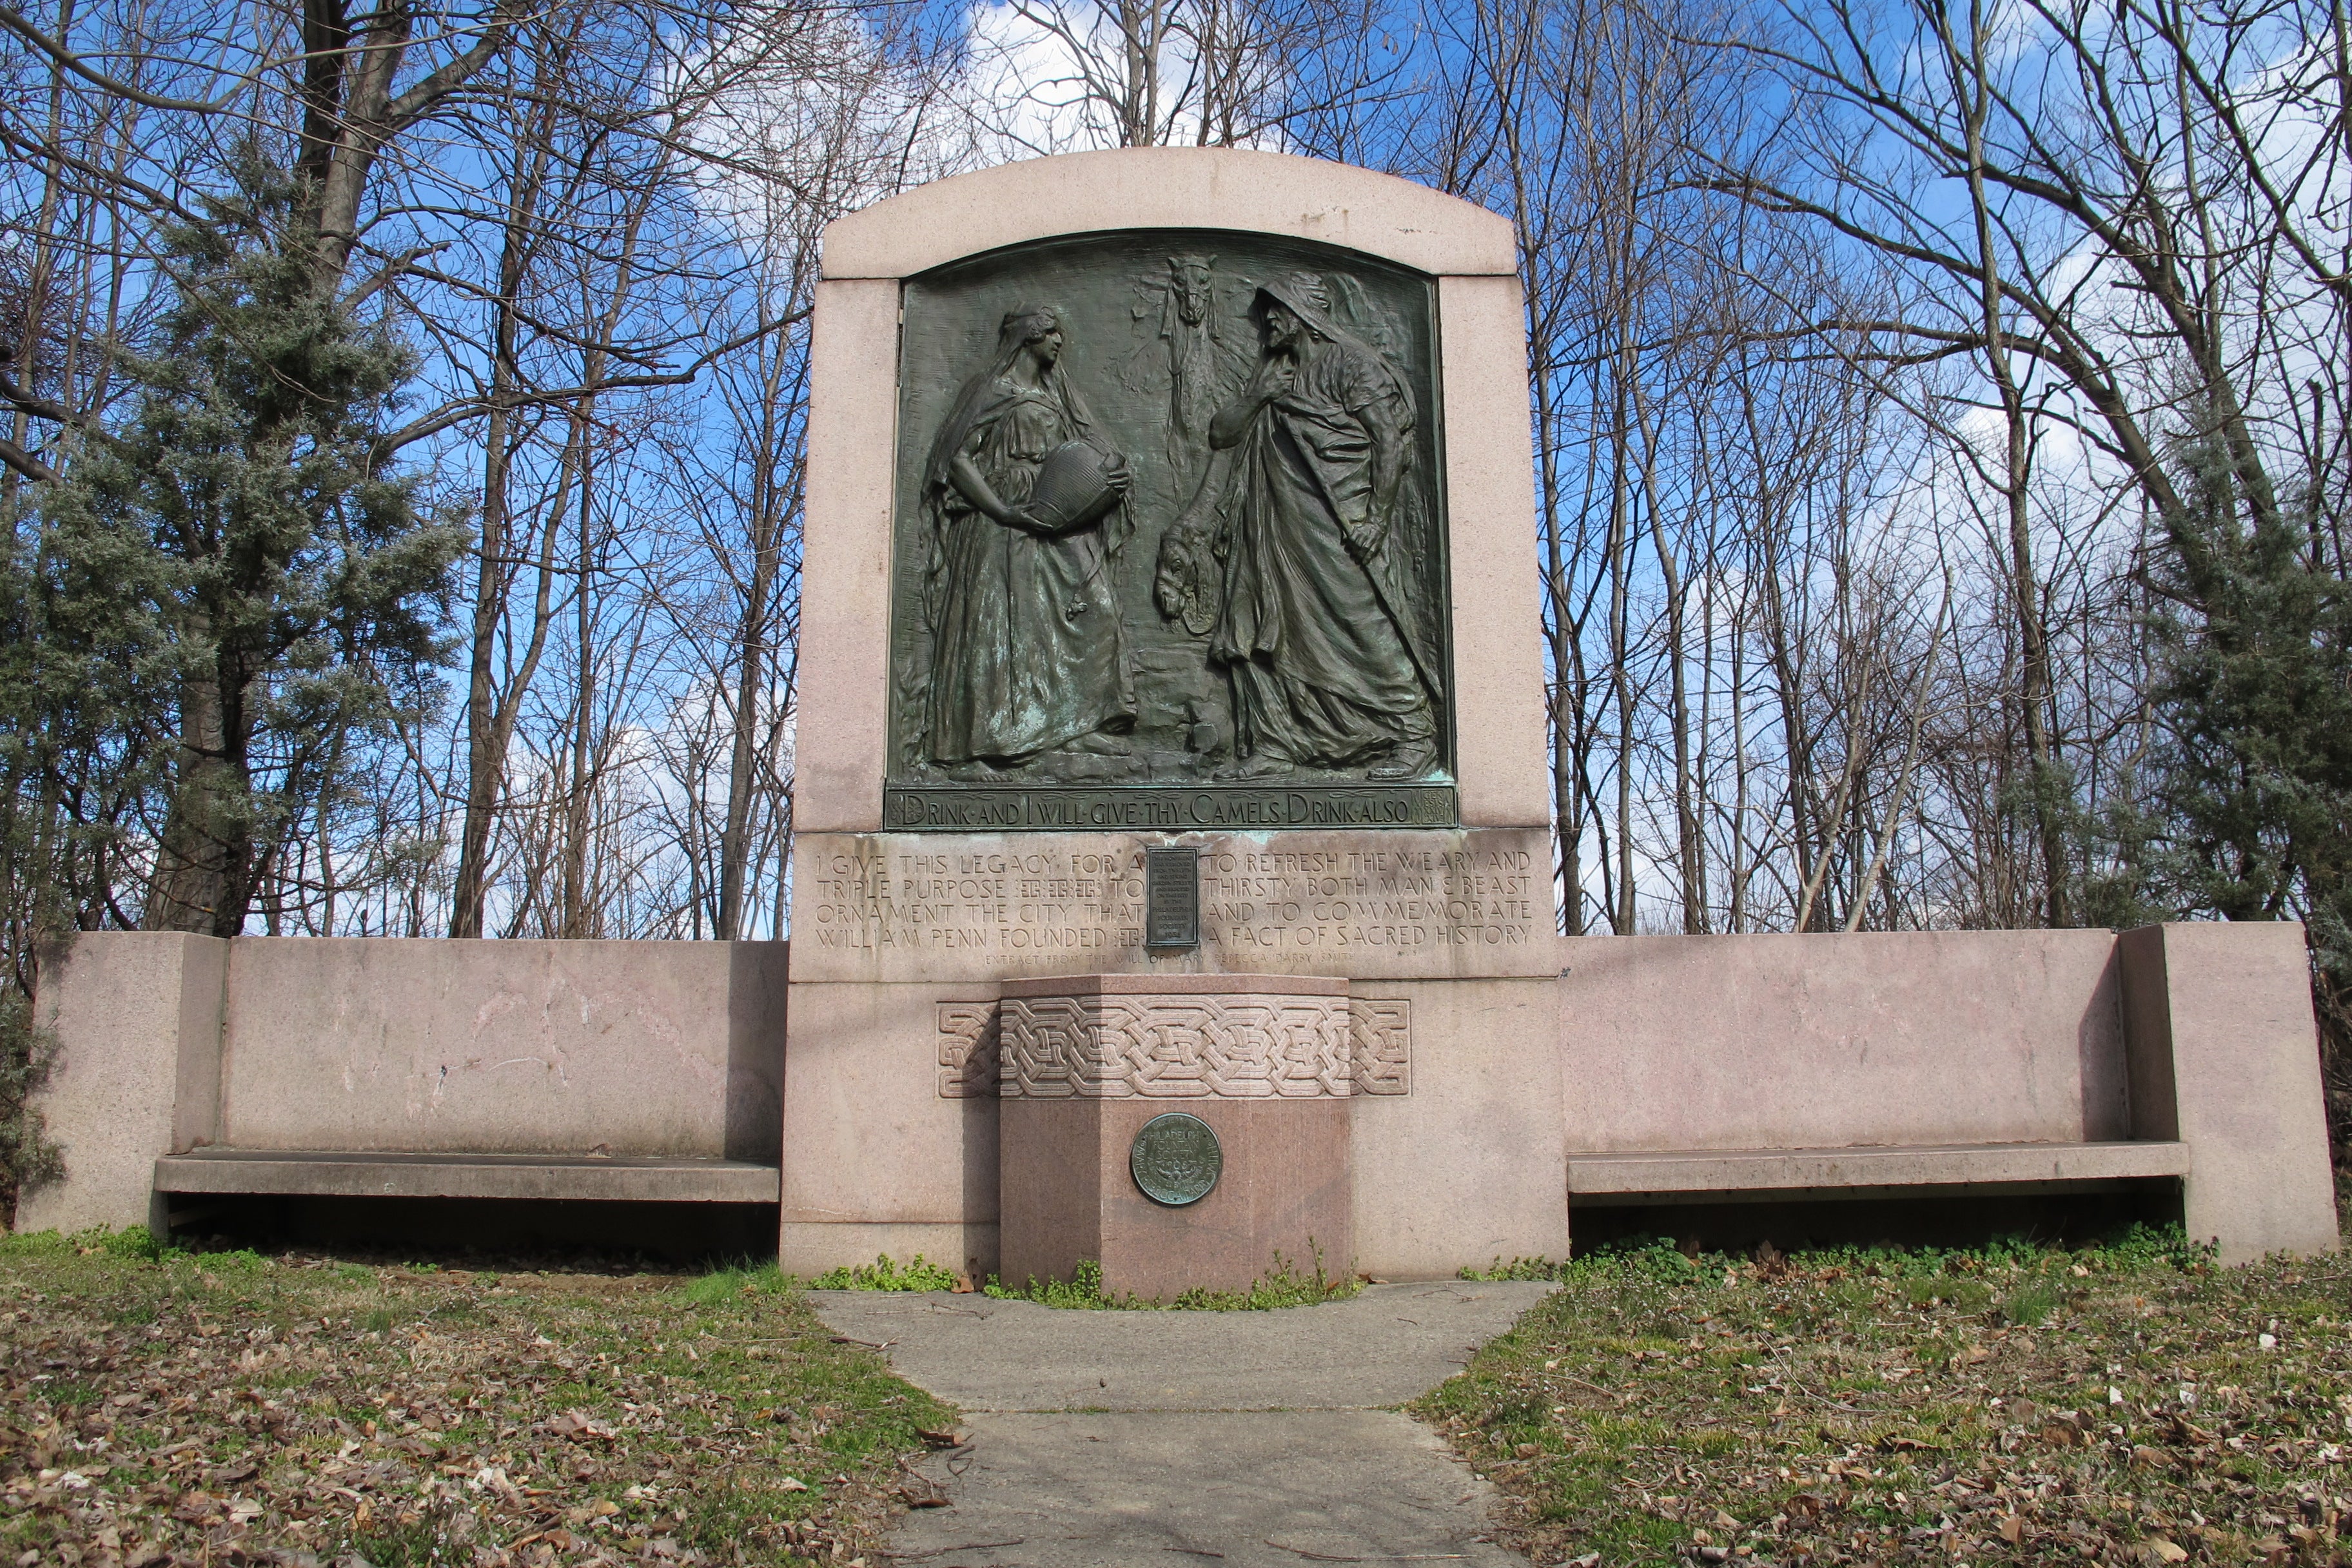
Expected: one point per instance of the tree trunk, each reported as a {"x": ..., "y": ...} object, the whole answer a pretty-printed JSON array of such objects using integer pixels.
[
  {"x": 734, "y": 847},
  {"x": 1973, "y": 90},
  {"x": 1687, "y": 833},
  {"x": 485, "y": 737},
  {"x": 200, "y": 883},
  {"x": 490, "y": 720},
  {"x": 581, "y": 794}
]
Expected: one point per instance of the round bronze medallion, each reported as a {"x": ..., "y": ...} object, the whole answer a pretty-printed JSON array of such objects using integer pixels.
[{"x": 1176, "y": 1159}]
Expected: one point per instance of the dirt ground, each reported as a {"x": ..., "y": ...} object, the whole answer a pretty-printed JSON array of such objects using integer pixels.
[
  {"x": 2126, "y": 1404},
  {"x": 232, "y": 1408}
]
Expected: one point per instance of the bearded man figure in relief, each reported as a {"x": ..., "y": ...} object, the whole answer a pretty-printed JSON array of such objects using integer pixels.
[{"x": 1313, "y": 627}]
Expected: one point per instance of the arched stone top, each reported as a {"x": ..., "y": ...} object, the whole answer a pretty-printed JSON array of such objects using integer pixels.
[{"x": 1170, "y": 187}]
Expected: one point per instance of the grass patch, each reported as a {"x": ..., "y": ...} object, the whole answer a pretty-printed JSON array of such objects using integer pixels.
[
  {"x": 2030, "y": 1304},
  {"x": 2124, "y": 1402},
  {"x": 1282, "y": 1286},
  {"x": 229, "y": 1407},
  {"x": 131, "y": 1241},
  {"x": 724, "y": 1285}
]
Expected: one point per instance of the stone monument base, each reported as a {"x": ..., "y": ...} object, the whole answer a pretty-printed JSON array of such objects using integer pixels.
[{"x": 1087, "y": 1061}]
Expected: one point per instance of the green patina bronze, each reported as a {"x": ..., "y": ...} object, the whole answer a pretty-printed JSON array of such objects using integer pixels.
[
  {"x": 1176, "y": 1159},
  {"x": 1172, "y": 896},
  {"x": 1170, "y": 541}
]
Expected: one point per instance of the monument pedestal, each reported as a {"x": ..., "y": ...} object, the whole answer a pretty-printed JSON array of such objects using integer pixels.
[
  {"x": 1012, "y": 740},
  {"x": 1264, "y": 1063}
]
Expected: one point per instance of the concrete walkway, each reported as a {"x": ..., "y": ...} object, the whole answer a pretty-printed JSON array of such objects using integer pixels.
[{"x": 1257, "y": 1439}]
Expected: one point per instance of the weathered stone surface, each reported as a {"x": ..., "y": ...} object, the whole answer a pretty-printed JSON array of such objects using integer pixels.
[
  {"x": 1246, "y": 1046},
  {"x": 1272, "y": 1083},
  {"x": 2224, "y": 1057},
  {"x": 623, "y": 1047},
  {"x": 1689, "y": 1173},
  {"x": 1121, "y": 1438},
  {"x": 842, "y": 737},
  {"x": 1170, "y": 188},
  {"x": 622, "y": 1179},
  {"x": 1067, "y": 1193},
  {"x": 1803, "y": 1042},
  {"x": 136, "y": 1070},
  {"x": 875, "y": 1160},
  {"x": 1394, "y": 904},
  {"x": 1470, "y": 1166}
]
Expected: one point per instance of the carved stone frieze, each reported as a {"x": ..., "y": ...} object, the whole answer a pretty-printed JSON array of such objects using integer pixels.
[
  {"x": 1175, "y": 1047},
  {"x": 1380, "y": 1037},
  {"x": 967, "y": 1049}
]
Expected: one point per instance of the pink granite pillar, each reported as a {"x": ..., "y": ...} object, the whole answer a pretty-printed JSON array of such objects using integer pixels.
[
  {"x": 2224, "y": 1057},
  {"x": 137, "y": 1016},
  {"x": 1086, "y": 1061}
]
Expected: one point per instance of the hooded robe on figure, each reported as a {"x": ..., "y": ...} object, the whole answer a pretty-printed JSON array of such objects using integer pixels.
[{"x": 1315, "y": 636}]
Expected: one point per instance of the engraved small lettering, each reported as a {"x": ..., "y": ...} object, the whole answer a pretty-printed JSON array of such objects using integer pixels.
[{"x": 1057, "y": 898}]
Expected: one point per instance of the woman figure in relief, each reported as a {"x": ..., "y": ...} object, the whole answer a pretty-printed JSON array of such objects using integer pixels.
[{"x": 1027, "y": 652}]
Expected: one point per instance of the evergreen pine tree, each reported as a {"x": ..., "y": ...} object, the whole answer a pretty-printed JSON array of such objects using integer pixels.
[
  {"x": 246, "y": 507},
  {"x": 2248, "y": 811}
]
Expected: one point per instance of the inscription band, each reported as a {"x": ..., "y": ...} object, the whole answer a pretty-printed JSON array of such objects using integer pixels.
[{"x": 947, "y": 809}]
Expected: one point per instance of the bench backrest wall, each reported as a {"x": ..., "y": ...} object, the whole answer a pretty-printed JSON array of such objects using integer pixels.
[
  {"x": 670, "y": 1049},
  {"x": 1821, "y": 1041},
  {"x": 166, "y": 1043}
]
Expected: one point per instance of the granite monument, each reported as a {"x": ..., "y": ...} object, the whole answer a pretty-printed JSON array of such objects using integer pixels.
[{"x": 1168, "y": 732}]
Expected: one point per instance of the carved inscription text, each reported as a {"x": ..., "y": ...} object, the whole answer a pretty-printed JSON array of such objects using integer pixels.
[{"x": 1045, "y": 900}]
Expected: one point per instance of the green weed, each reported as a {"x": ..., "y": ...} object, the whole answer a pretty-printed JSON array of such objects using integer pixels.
[
  {"x": 1517, "y": 1268},
  {"x": 34, "y": 1243},
  {"x": 234, "y": 1260},
  {"x": 1082, "y": 1292},
  {"x": 882, "y": 1274}
]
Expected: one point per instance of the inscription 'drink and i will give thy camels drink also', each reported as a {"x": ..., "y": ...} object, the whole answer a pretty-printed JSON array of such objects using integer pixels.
[{"x": 1054, "y": 898}]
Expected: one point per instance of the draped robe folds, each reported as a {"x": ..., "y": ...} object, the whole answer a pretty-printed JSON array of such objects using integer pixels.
[
  {"x": 1321, "y": 672},
  {"x": 1027, "y": 651}
]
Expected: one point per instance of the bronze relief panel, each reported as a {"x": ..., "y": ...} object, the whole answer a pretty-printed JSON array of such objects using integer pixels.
[{"x": 1170, "y": 540}]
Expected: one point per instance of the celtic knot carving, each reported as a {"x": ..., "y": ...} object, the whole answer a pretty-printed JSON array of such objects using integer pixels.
[
  {"x": 1380, "y": 1034},
  {"x": 1174, "y": 1047},
  {"x": 967, "y": 1049}
]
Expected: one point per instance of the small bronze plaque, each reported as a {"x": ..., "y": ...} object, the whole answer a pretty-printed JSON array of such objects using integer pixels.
[
  {"x": 1172, "y": 896},
  {"x": 1176, "y": 1159}
]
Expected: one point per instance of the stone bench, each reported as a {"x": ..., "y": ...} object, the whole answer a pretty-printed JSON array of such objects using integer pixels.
[
  {"x": 341, "y": 1174},
  {"x": 1670, "y": 1175}
]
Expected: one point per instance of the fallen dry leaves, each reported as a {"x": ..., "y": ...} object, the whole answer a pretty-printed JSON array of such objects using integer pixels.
[
  {"x": 229, "y": 1409},
  {"x": 2121, "y": 1406}
]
